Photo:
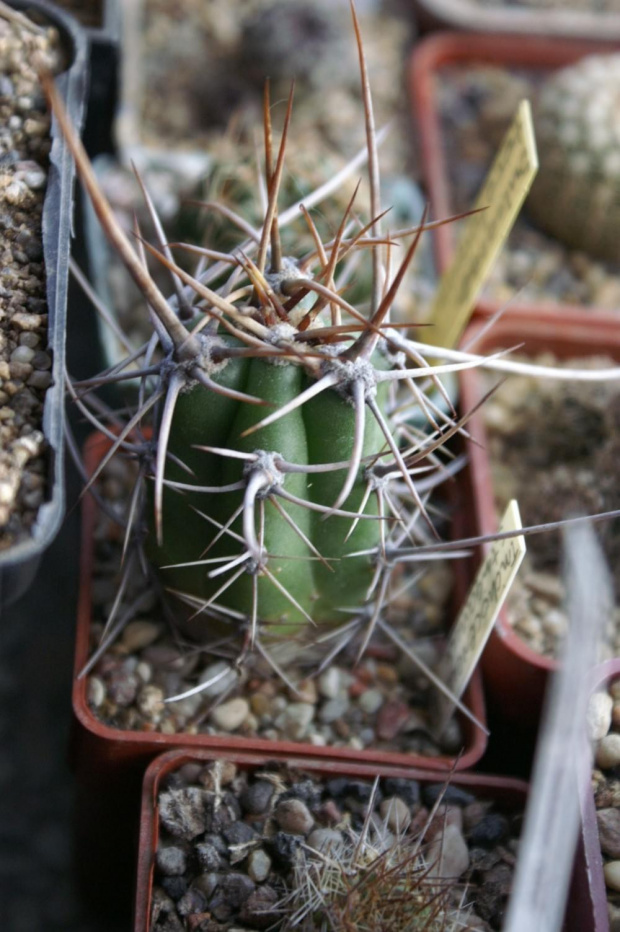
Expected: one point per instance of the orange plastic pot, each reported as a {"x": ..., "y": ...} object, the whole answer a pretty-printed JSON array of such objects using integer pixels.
[
  {"x": 109, "y": 763},
  {"x": 591, "y": 846},
  {"x": 509, "y": 793},
  {"x": 471, "y": 15},
  {"x": 452, "y": 48},
  {"x": 515, "y": 675}
]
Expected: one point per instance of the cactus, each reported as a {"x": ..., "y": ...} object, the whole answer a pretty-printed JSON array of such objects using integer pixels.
[
  {"x": 281, "y": 487},
  {"x": 576, "y": 196},
  {"x": 281, "y": 472}
]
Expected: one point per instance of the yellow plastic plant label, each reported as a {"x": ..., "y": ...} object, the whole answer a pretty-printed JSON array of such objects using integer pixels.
[
  {"x": 477, "y": 616},
  {"x": 502, "y": 195}
]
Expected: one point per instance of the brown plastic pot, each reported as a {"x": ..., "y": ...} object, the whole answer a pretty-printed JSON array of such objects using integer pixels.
[
  {"x": 510, "y": 793},
  {"x": 474, "y": 16},
  {"x": 515, "y": 675},
  {"x": 453, "y": 48},
  {"x": 109, "y": 763},
  {"x": 591, "y": 844}
]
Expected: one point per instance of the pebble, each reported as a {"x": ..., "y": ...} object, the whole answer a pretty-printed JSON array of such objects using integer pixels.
[
  {"x": 325, "y": 840},
  {"x": 139, "y": 634},
  {"x": 391, "y": 719},
  {"x": 611, "y": 870},
  {"x": 255, "y": 800},
  {"x": 608, "y": 821},
  {"x": 284, "y": 849},
  {"x": 330, "y": 683},
  {"x": 227, "y": 679},
  {"x": 395, "y": 813},
  {"x": 259, "y": 910},
  {"x": 230, "y": 715},
  {"x": 150, "y": 702},
  {"x": 296, "y": 719},
  {"x": 171, "y": 861},
  {"x": 448, "y": 854},
  {"x": 334, "y": 709},
  {"x": 294, "y": 817},
  {"x": 608, "y": 752},
  {"x": 259, "y": 865},
  {"x": 96, "y": 692},
  {"x": 236, "y": 888},
  {"x": 182, "y": 812},
  {"x": 193, "y": 901},
  {"x": 599, "y": 715},
  {"x": 239, "y": 833},
  {"x": 305, "y": 691},
  {"x": 490, "y": 831},
  {"x": 371, "y": 701}
]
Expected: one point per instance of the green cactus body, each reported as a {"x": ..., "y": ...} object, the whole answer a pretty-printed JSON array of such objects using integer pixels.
[
  {"x": 321, "y": 431},
  {"x": 576, "y": 195}
]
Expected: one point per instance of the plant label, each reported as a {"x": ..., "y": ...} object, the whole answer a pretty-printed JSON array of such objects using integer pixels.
[
  {"x": 477, "y": 616},
  {"x": 507, "y": 183}
]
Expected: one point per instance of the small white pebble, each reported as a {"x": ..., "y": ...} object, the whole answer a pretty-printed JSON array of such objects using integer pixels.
[{"x": 608, "y": 752}]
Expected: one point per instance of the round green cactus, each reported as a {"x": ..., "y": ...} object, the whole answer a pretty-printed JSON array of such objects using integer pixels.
[{"x": 576, "y": 196}]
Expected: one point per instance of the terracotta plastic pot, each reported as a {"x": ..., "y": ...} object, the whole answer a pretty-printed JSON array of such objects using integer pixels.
[
  {"x": 19, "y": 564},
  {"x": 450, "y": 49},
  {"x": 109, "y": 763},
  {"x": 515, "y": 675},
  {"x": 471, "y": 15},
  {"x": 511, "y": 795},
  {"x": 591, "y": 844},
  {"x": 100, "y": 746}
]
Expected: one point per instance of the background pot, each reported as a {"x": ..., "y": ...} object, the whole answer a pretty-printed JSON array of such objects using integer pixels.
[
  {"x": 19, "y": 564},
  {"x": 515, "y": 675},
  {"x": 511, "y": 794},
  {"x": 471, "y": 15},
  {"x": 456, "y": 49}
]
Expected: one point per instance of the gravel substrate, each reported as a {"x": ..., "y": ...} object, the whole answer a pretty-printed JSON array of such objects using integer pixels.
[
  {"x": 235, "y": 847},
  {"x": 476, "y": 105},
  {"x": 382, "y": 702},
  {"x": 553, "y": 446},
  {"x": 604, "y": 724},
  {"x": 24, "y": 361}
]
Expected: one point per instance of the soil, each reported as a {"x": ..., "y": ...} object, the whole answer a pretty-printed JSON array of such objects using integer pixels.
[
  {"x": 381, "y": 702},
  {"x": 236, "y": 847},
  {"x": 553, "y": 446},
  {"x": 24, "y": 358},
  {"x": 476, "y": 105}
]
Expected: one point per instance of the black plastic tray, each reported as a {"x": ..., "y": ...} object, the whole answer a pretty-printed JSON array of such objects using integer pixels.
[{"x": 19, "y": 564}]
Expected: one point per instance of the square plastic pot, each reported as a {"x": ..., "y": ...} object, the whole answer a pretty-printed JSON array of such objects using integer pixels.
[
  {"x": 515, "y": 675},
  {"x": 511, "y": 794},
  {"x": 457, "y": 49},
  {"x": 18, "y": 564},
  {"x": 102, "y": 748},
  {"x": 474, "y": 16}
]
